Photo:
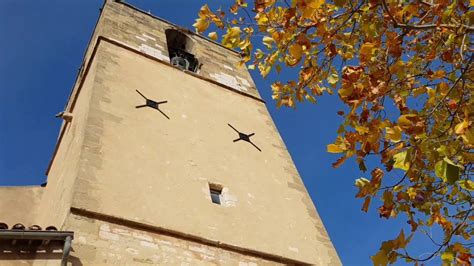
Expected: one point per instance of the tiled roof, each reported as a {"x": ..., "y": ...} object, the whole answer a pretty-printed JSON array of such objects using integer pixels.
[
  {"x": 19, "y": 226},
  {"x": 19, "y": 242},
  {"x": 33, "y": 237}
]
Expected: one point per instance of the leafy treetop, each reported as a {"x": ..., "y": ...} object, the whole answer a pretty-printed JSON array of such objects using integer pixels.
[{"x": 414, "y": 54}]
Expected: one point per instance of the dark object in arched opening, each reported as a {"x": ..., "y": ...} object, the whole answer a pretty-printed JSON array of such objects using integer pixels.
[
  {"x": 34, "y": 227},
  {"x": 18, "y": 227},
  {"x": 3, "y": 226},
  {"x": 179, "y": 50}
]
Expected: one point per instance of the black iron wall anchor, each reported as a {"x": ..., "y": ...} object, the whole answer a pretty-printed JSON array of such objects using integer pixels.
[
  {"x": 244, "y": 137},
  {"x": 152, "y": 104}
]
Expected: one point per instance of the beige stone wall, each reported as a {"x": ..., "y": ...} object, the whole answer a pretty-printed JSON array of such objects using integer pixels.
[
  {"x": 56, "y": 201},
  {"x": 101, "y": 242},
  {"x": 35, "y": 259},
  {"x": 50, "y": 205},
  {"x": 140, "y": 166},
  {"x": 146, "y": 33},
  {"x": 19, "y": 205}
]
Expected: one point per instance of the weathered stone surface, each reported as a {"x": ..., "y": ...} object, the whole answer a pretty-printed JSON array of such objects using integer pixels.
[
  {"x": 107, "y": 243},
  {"x": 146, "y": 33},
  {"x": 19, "y": 205}
]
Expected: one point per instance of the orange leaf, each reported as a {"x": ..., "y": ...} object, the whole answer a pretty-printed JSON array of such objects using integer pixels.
[
  {"x": 339, "y": 162},
  {"x": 365, "y": 206}
]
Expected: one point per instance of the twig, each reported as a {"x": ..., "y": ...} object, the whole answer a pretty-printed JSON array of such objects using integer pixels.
[
  {"x": 452, "y": 87},
  {"x": 462, "y": 46},
  {"x": 347, "y": 19},
  {"x": 429, "y": 236},
  {"x": 448, "y": 239},
  {"x": 423, "y": 26}
]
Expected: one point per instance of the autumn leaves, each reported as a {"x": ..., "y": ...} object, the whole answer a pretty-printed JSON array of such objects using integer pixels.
[{"x": 404, "y": 71}]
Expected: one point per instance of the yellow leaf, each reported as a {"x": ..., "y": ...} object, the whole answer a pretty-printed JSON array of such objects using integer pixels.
[
  {"x": 291, "y": 102},
  {"x": 248, "y": 30},
  {"x": 458, "y": 247},
  {"x": 380, "y": 259},
  {"x": 295, "y": 51},
  {"x": 264, "y": 70},
  {"x": 398, "y": 188},
  {"x": 306, "y": 73},
  {"x": 310, "y": 98},
  {"x": 443, "y": 88},
  {"x": 290, "y": 61},
  {"x": 333, "y": 148},
  {"x": 362, "y": 129},
  {"x": 343, "y": 93},
  {"x": 361, "y": 182},
  {"x": 268, "y": 41},
  {"x": 259, "y": 54},
  {"x": 431, "y": 95},
  {"x": 397, "y": 67},
  {"x": 366, "y": 48},
  {"x": 204, "y": 11},
  {"x": 447, "y": 256},
  {"x": 447, "y": 170},
  {"x": 393, "y": 134},
  {"x": 366, "y": 51},
  {"x": 212, "y": 35},
  {"x": 333, "y": 79},
  {"x": 201, "y": 25},
  {"x": 402, "y": 160},
  {"x": 419, "y": 91},
  {"x": 406, "y": 121},
  {"x": 277, "y": 87},
  {"x": 461, "y": 127},
  {"x": 438, "y": 74},
  {"x": 232, "y": 37},
  {"x": 234, "y": 31},
  {"x": 411, "y": 191},
  {"x": 468, "y": 136},
  {"x": 315, "y": 3},
  {"x": 467, "y": 184},
  {"x": 262, "y": 19},
  {"x": 400, "y": 241},
  {"x": 244, "y": 44}
]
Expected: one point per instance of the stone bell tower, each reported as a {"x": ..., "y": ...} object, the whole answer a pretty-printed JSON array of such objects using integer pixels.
[{"x": 170, "y": 156}]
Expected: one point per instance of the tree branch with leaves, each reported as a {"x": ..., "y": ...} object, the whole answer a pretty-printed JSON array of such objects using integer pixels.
[{"x": 413, "y": 55}]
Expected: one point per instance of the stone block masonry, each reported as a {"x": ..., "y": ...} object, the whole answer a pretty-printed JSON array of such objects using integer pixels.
[{"x": 99, "y": 241}]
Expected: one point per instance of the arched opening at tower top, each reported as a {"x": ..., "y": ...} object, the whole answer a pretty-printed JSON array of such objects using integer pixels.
[{"x": 179, "y": 50}]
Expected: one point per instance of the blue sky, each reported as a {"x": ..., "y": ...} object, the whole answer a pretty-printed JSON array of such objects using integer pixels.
[{"x": 41, "y": 49}]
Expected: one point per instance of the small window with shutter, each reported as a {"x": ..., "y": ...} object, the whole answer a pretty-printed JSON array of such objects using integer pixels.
[{"x": 216, "y": 193}]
